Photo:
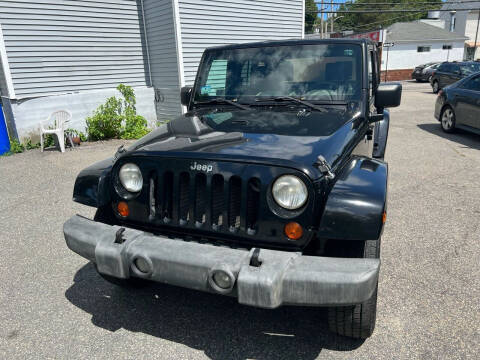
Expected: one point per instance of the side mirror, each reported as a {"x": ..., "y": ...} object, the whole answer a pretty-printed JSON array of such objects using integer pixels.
[
  {"x": 388, "y": 95},
  {"x": 186, "y": 95}
]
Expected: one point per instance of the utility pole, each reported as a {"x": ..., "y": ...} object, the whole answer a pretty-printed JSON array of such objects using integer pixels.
[
  {"x": 321, "y": 20},
  {"x": 331, "y": 23},
  {"x": 476, "y": 36}
]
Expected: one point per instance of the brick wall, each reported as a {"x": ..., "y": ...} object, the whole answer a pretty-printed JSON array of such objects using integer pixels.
[{"x": 396, "y": 75}]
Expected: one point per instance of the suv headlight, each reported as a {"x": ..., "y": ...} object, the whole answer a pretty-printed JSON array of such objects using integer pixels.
[
  {"x": 131, "y": 177},
  {"x": 290, "y": 192}
]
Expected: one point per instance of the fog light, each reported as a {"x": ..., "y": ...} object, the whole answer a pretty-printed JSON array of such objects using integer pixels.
[
  {"x": 123, "y": 209},
  {"x": 293, "y": 230},
  {"x": 222, "y": 279},
  {"x": 142, "y": 265}
]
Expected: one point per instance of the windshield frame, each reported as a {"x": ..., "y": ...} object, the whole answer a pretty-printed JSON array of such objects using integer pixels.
[{"x": 363, "y": 77}]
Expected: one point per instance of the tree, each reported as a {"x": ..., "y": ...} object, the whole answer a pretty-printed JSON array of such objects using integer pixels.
[
  {"x": 311, "y": 15},
  {"x": 362, "y": 22}
]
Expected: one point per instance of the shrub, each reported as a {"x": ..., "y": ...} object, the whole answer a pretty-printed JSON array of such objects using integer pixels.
[
  {"x": 117, "y": 118},
  {"x": 16, "y": 147},
  {"x": 106, "y": 122},
  {"x": 30, "y": 146}
]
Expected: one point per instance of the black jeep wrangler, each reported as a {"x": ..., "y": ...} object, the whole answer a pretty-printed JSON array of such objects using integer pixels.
[{"x": 270, "y": 188}]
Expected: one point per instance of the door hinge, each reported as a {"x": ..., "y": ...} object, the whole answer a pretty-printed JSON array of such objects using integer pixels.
[{"x": 324, "y": 167}]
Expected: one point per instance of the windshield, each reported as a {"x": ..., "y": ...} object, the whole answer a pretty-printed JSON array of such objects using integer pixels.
[
  {"x": 470, "y": 68},
  {"x": 326, "y": 72}
]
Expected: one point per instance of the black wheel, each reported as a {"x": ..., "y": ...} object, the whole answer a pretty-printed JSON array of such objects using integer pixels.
[
  {"x": 357, "y": 321},
  {"x": 105, "y": 215},
  {"x": 435, "y": 87},
  {"x": 447, "y": 119}
]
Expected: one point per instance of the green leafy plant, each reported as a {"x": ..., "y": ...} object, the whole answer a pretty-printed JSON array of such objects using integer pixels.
[
  {"x": 106, "y": 122},
  {"x": 117, "y": 118},
  {"x": 16, "y": 147},
  {"x": 30, "y": 146},
  {"x": 74, "y": 132}
]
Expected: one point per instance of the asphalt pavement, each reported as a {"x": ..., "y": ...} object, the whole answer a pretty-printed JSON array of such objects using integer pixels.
[{"x": 54, "y": 305}]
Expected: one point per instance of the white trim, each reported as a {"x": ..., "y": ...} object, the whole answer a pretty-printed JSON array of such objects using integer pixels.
[
  {"x": 425, "y": 40},
  {"x": 303, "y": 19},
  {"x": 6, "y": 66},
  {"x": 179, "y": 45},
  {"x": 146, "y": 44}
]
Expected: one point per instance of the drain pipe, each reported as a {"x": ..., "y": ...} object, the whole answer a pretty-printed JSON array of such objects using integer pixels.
[{"x": 146, "y": 43}]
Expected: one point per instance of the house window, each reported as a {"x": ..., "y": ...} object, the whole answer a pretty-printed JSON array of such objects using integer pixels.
[
  {"x": 447, "y": 47},
  {"x": 423, "y": 48}
]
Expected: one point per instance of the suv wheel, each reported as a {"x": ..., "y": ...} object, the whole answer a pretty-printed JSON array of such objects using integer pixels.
[
  {"x": 357, "y": 321},
  {"x": 448, "y": 120},
  {"x": 435, "y": 87}
]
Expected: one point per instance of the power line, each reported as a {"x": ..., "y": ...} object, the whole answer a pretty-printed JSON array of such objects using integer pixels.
[
  {"x": 376, "y": 22},
  {"x": 337, "y": 3},
  {"x": 367, "y": 11}
]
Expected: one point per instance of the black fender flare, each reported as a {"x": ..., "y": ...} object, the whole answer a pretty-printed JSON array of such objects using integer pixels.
[
  {"x": 92, "y": 184},
  {"x": 355, "y": 205}
]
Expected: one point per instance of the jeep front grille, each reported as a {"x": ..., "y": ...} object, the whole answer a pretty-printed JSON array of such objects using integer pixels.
[{"x": 205, "y": 201}]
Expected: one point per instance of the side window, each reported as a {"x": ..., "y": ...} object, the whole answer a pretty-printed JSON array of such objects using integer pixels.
[
  {"x": 423, "y": 48},
  {"x": 472, "y": 84},
  {"x": 216, "y": 79},
  {"x": 455, "y": 69}
]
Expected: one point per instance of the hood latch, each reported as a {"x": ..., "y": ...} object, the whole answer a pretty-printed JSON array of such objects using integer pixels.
[{"x": 324, "y": 167}]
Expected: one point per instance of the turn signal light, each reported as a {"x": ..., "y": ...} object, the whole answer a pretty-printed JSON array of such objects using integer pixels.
[
  {"x": 123, "y": 209},
  {"x": 384, "y": 217},
  {"x": 293, "y": 230}
]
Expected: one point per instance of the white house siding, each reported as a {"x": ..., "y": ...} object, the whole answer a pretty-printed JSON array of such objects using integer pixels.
[
  {"x": 71, "y": 54},
  {"x": 55, "y": 46},
  {"x": 471, "y": 25},
  {"x": 162, "y": 50},
  {"x": 405, "y": 55},
  {"x": 209, "y": 23}
]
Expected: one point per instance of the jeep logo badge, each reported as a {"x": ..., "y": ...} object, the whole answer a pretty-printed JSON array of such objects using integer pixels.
[{"x": 201, "y": 167}]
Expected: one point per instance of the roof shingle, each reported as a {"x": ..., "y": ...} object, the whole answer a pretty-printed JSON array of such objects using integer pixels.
[{"x": 418, "y": 31}]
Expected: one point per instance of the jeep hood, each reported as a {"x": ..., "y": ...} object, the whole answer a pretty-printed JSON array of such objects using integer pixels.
[{"x": 291, "y": 138}]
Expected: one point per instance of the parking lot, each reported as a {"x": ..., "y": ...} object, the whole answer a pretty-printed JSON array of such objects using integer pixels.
[{"x": 54, "y": 305}]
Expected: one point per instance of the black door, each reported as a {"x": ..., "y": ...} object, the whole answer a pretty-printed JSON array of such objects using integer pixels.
[
  {"x": 442, "y": 73},
  {"x": 467, "y": 97}
]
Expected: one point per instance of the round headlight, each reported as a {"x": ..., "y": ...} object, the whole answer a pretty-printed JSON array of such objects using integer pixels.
[
  {"x": 131, "y": 177},
  {"x": 289, "y": 192}
]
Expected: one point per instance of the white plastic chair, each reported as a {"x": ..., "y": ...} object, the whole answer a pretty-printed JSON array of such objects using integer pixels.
[{"x": 60, "y": 118}]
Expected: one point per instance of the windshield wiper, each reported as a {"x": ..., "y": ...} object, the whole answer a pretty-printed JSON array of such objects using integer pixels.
[
  {"x": 291, "y": 98},
  {"x": 222, "y": 101}
]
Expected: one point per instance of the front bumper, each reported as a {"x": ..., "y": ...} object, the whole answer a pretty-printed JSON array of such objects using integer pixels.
[
  {"x": 438, "y": 107},
  {"x": 281, "y": 278}
]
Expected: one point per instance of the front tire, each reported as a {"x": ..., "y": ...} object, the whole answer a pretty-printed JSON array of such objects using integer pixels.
[
  {"x": 435, "y": 87},
  {"x": 357, "y": 321},
  {"x": 447, "y": 120}
]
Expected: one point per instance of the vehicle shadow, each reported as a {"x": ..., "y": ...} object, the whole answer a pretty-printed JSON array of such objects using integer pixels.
[
  {"x": 217, "y": 325},
  {"x": 465, "y": 138}
]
